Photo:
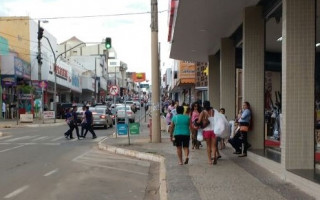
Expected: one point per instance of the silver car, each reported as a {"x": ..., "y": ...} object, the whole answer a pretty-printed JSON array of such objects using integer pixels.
[
  {"x": 121, "y": 114},
  {"x": 101, "y": 117}
]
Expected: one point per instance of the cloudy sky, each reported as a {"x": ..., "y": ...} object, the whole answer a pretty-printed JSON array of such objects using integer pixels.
[{"x": 131, "y": 34}]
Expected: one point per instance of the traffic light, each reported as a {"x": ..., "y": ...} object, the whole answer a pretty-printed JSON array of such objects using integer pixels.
[
  {"x": 39, "y": 58},
  {"x": 108, "y": 43},
  {"x": 40, "y": 33}
]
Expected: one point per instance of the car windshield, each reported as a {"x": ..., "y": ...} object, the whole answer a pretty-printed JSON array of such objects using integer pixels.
[
  {"x": 100, "y": 111},
  {"x": 122, "y": 108}
]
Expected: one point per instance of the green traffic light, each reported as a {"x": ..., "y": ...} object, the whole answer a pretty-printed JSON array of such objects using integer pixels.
[{"x": 108, "y": 43}]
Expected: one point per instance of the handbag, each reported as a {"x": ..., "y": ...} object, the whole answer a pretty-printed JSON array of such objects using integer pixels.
[{"x": 244, "y": 128}]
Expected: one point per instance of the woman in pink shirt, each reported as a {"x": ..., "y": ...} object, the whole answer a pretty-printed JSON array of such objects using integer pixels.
[{"x": 194, "y": 115}]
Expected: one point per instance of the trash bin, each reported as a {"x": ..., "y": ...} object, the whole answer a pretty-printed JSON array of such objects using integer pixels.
[{"x": 134, "y": 128}]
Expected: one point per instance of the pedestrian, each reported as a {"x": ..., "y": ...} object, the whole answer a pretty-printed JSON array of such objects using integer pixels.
[
  {"x": 3, "y": 110},
  {"x": 89, "y": 122},
  {"x": 168, "y": 118},
  {"x": 180, "y": 134},
  {"x": 69, "y": 121},
  {"x": 75, "y": 120},
  {"x": 194, "y": 115},
  {"x": 244, "y": 121},
  {"x": 208, "y": 134},
  {"x": 83, "y": 121}
]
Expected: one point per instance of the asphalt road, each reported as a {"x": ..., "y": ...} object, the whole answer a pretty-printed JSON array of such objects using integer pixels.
[{"x": 40, "y": 164}]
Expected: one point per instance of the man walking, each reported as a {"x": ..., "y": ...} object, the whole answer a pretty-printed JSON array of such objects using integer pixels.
[
  {"x": 75, "y": 120},
  {"x": 89, "y": 122}
]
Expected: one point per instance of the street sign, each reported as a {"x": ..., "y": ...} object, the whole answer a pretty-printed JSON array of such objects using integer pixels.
[
  {"x": 122, "y": 129},
  {"x": 43, "y": 84},
  {"x": 114, "y": 90}
]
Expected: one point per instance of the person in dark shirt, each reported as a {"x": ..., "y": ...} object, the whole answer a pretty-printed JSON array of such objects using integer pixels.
[
  {"x": 89, "y": 122},
  {"x": 69, "y": 121},
  {"x": 75, "y": 121}
]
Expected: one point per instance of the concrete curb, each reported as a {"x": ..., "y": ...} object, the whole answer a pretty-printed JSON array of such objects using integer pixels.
[{"x": 144, "y": 156}]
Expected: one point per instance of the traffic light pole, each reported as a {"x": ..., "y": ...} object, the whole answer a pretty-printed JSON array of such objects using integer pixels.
[{"x": 155, "y": 107}]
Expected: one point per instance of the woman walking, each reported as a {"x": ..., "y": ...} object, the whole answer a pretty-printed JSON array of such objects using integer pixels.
[
  {"x": 180, "y": 130},
  {"x": 194, "y": 115},
  {"x": 244, "y": 120},
  {"x": 208, "y": 133}
]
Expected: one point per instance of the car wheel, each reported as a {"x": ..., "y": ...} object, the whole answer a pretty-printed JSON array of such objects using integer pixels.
[{"x": 105, "y": 126}]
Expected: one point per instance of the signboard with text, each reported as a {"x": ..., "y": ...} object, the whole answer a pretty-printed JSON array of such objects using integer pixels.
[{"x": 48, "y": 115}]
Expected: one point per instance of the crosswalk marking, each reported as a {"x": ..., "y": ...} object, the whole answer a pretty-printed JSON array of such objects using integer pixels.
[
  {"x": 52, "y": 140},
  {"x": 20, "y": 138},
  {"x": 5, "y": 137},
  {"x": 40, "y": 138},
  {"x": 58, "y": 138}
]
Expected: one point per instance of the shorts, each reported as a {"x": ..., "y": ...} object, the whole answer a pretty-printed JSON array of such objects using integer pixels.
[
  {"x": 182, "y": 140},
  {"x": 208, "y": 134}
]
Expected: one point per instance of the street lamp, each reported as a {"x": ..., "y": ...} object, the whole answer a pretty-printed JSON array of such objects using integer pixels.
[{"x": 55, "y": 74}]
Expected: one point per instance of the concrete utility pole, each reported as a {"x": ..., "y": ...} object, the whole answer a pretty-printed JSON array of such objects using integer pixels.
[{"x": 155, "y": 107}]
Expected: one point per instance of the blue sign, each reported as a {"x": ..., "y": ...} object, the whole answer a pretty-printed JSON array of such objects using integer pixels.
[{"x": 122, "y": 129}]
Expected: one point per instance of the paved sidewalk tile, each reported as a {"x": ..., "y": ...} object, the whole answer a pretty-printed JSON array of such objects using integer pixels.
[{"x": 231, "y": 178}]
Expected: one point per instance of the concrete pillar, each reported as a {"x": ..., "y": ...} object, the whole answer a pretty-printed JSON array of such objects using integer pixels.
[
  {"x": 253, "y": 71},
  {"x": 298, "y": 65},
  {"x": 228, "y": 77},
  {"x": 214, "y": 81}
]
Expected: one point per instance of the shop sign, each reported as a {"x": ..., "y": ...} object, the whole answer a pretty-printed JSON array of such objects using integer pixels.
[
  {"x": 48, "y": 115},
  {"x": 26, "y": 117},
  {"x": 75, "y": 80},
  {"x": 22, "y": 68},
  {"x": 8, "y": 80},
  {"x": 62, "y": 73},
  {"x": 138, "y": 77},
  {"x": 25, "y": 96},
  {"x": 187, "y": 70}
]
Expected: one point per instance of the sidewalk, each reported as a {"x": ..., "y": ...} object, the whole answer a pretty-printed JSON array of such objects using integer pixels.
[
  {"x": 231, "y": 178},
  {"x": 12, "y": 123}
]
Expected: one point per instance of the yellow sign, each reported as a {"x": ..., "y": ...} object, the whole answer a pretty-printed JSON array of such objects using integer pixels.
[{"x": 138, "y": 77}]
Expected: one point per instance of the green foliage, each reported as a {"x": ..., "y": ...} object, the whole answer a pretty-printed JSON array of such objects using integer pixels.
[{"x": 25, "y": 89}]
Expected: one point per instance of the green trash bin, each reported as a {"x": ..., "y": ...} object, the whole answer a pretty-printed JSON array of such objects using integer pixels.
[{"x": 134, "y": 128}]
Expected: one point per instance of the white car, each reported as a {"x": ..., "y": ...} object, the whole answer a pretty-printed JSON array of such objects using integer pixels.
[{"x": 121, "y": 114}]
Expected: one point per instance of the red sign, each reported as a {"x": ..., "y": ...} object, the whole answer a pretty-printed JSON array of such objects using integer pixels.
[
  {"x": 63, "y": 73},
  {"x": 43, "y": 84},
  {"x": 138, "y": 77}
]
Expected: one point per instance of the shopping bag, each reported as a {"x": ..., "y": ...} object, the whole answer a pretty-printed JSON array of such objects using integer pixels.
[
  {"x": 221, "y": 127},
  {"x": 200, "y": 135}
]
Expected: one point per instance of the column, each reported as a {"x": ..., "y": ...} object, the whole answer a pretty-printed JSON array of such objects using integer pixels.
[
  {"x": 298, "y": 62},
  {"x": 253, "y": 71},
  {"x": 227, "y": 77},
  {"x": 214, "y": 81}
]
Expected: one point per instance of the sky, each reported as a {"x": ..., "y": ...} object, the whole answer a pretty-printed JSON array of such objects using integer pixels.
[{"x": 131, "y": 34}]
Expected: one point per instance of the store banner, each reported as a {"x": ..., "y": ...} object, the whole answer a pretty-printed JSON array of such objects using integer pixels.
[{"x": 187, "y": 71}]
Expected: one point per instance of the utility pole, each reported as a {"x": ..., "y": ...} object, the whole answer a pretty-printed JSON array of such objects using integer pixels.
[{"x": 155, "y": 107}]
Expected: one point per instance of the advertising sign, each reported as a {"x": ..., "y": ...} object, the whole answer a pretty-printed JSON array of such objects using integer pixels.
[
  {"x": 187, "y": 71},
  {"x": 48, "y": 115},
  {"x": 138, "y": 77},
  {"x": 122, "y": 129},
  {"x": 134, "y": 128}
]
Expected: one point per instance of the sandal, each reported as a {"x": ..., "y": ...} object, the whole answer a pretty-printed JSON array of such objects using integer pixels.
[{"x": 186, "y": 161}]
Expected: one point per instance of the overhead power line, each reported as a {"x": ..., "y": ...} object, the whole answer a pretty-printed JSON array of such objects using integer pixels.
[{"x": 84, "y": 16}]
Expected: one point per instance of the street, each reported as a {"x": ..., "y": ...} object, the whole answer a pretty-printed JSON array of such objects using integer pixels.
[{"x": 39, "y": 163}]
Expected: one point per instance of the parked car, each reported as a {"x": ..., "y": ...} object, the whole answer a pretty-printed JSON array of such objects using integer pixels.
[
  {"x": 101, "y": 117},
  {"x": 121, "y": 113}
]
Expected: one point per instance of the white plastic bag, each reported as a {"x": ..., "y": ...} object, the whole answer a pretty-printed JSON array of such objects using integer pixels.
[
  {"x": 200, "y": 135},
  {"x": 220, "y": 124}
]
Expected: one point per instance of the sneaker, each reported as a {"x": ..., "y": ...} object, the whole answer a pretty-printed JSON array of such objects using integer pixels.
[
  {"x": 243, "y": 155},
  {"x": 94, "y": 137},
  {"x": 237, "y": 152}
]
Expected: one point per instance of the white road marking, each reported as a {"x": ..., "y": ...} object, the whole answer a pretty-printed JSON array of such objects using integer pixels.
[
  {"x": 16, "y": 192},
  {"x": 21, "y": 138},
  {"x": 12, "y": 148},
  {"x": 40, "y": 138},
  {"x": 52, "y": 143},
  {"x": 51, "y": 172},
  {"x": 5, "y": 137},
  {"x": 58, "y": 138},
  {"x": 123, "y": 170}
]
